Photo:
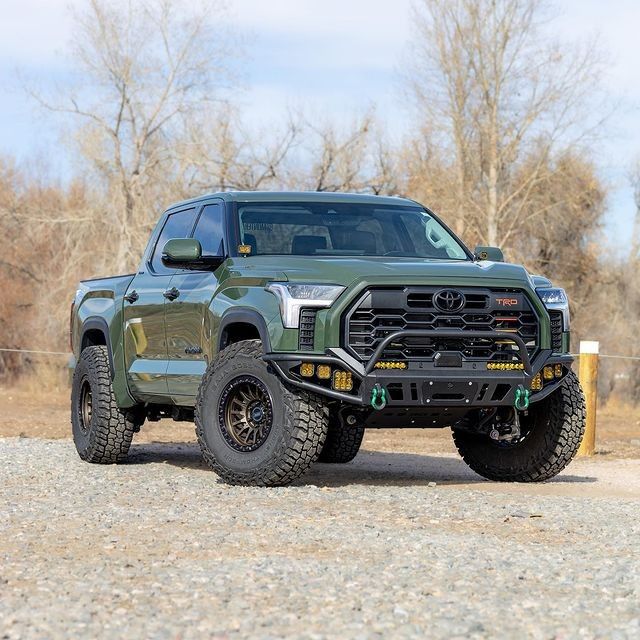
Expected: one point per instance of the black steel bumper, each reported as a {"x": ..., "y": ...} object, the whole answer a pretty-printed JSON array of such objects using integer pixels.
[{"x": 425, "y": 384}]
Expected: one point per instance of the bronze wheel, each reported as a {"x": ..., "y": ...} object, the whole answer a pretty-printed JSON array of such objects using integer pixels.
[
  {"x": 86, "y": 406},
  {"x": 252, "y": 428},
  {"x": 245, "y": 413}
]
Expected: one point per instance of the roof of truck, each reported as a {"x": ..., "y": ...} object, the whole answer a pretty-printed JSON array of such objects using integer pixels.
[{"x": 297, "y": 196}]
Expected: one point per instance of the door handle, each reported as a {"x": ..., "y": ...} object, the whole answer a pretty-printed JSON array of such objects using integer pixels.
[
  {"x": 171, "y": 294},
  {"x": 132, "y": 297}
]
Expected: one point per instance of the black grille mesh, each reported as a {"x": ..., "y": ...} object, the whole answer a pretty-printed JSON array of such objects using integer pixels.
[
  {"x": 307, "y": 329},
  {"x": 384, "y": 311},
  {"x": 556, "y": 330}
]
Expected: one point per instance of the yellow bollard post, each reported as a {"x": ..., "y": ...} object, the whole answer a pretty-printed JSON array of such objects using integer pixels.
[{"x": 588, "y": 374}]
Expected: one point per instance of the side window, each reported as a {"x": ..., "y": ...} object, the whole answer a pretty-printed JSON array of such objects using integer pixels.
[
  {"x": 209, "y": 231},
  {"x": 177, "y": 225}
]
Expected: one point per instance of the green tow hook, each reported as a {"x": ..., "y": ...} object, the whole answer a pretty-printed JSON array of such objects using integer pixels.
[
  {"x": 522, "y": 398},
  {"x": 378, "y": 397}
]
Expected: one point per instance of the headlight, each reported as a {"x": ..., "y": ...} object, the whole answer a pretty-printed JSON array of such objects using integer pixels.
[
  {"x": 293, "y": 297},
  {"x": 553, "y": 296},
  {"x": 556, "y": 299}
]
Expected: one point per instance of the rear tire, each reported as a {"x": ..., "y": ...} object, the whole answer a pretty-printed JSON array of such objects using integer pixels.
[
  {"x": 343, "y": 440},
  {"x": 102, "y": 432},
  {"x": 252, "y": 428},
  {"x": 556, "y": 426}
]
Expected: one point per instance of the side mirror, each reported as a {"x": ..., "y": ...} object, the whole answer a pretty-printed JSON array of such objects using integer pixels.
[
  {"x": 186, "y": 253},
  {"x": 494, "y": 254}
]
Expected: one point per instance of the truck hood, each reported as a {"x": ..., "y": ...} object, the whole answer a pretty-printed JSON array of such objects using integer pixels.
[{"x": 346, "y": 271}]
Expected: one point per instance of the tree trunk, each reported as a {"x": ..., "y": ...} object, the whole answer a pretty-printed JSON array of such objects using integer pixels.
[{"x": 492, "y": 208}]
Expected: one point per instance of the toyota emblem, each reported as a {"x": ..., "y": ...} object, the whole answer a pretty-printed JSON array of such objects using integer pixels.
[{"x": 449, "y": 300}]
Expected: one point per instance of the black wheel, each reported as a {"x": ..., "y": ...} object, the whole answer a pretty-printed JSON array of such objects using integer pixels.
[
  {"x": 343, "y": 439},
  {"x": 102, "y": 432},
  {"x": 252, "y": 428},
  {"x": 551, "y": 430}
]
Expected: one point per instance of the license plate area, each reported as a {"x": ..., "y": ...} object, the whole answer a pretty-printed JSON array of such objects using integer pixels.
[{"x": 449, "y": 392}]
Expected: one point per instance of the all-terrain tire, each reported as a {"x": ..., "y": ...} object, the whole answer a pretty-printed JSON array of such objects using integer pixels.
[
  {"x": 556, "y": 428},
  {"x": 299, "y": 422},
  {"x": 103, "y": 434},
  {"x": 343, "y": 440}
]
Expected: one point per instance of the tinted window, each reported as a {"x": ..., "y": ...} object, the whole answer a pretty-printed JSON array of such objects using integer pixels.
[
  {"x": 209, "y": 230},
  {"x": 177, "y": 225},
  {"x": 345, "y": 229}
]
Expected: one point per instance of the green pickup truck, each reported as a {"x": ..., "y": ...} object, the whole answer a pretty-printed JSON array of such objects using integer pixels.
[{"x": 285, "y": 324}]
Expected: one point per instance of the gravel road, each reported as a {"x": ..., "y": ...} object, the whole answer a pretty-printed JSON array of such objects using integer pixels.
[{"x": 392, "y": 545}]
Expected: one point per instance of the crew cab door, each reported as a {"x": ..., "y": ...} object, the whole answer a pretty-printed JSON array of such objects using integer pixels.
[
  {"x": 188, "y": 319},
  {"x": 145, "y": 341}
]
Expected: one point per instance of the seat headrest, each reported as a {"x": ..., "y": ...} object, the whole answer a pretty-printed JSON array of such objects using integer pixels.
[
  {"x": 307, "y": 245},
  {"x": 360, "y": 241}
]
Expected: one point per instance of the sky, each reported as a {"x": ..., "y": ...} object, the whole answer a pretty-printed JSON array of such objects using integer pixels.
[{"x": 333, "y": 57}]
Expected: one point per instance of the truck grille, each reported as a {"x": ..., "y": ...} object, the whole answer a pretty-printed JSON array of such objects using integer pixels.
[{"x": 380, "y": 312}]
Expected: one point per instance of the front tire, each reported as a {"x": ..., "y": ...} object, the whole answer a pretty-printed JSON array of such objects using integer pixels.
[
  {"x": 343, "y": 440},
  {"x": 251, "y": 427},
  {"x": 102, "y": 432},
  {"x": 553, "y": 432}
]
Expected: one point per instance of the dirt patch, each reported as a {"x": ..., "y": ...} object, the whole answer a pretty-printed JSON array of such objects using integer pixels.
[{"x": 46, "y": 415}]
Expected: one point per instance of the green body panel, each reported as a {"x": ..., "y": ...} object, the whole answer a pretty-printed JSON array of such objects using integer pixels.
[
  {"x": 145, "y": 340},
  {"x": 294, "y": 196},
  {"x": 194, "y": 319},
  {"x": 161, "y": 348},
  {"x": 188, "y": 323},
  {"x": 102, "y": 299}
]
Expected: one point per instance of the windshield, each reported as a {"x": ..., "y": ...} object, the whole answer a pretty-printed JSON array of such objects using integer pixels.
[{"x": 344, "y": 229}]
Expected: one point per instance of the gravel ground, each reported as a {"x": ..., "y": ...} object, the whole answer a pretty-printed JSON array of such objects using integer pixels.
[{"x": 391, "y": 545}]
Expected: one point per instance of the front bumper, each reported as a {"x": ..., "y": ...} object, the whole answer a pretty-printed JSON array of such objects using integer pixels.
[{"x": 424, "y": 383}]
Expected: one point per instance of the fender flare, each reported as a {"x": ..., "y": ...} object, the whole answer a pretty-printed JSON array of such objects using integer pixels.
[
  {"x": 245, "y": 316},
  {"x": 100, "y": 324}
]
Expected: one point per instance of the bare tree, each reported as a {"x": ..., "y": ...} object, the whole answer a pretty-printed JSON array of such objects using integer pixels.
[
  {"x": 146, "y": 67},
  {"x": 631, "y": 287},
  {"x": 36, "y": 271},
  {"x": 348, "y": 158},
  {"x": 488, "y": 86},
  {"x": 635, "y": 238},
  {"x": 219, "y": 153}
]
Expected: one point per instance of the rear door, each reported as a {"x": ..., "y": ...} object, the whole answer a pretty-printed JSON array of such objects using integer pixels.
[
  {"x": 188, "y": 319},
  {"x": 145, "y": 337}
]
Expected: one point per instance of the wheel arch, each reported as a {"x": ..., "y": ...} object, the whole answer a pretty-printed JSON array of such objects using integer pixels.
[
  {"x": 95, "y": 332},
  {"x": 243, "y": 324}
]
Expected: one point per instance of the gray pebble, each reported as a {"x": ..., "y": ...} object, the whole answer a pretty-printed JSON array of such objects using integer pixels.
[{"x": 158, "y": 547}]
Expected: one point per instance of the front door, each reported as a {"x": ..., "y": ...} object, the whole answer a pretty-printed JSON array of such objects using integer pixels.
[
  {"x": 188, "y": 318},
  {"x": 145, "y": 339}
]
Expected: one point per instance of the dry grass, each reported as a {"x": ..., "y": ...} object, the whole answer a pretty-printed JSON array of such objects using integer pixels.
[{"x": 47, "y": 377}]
